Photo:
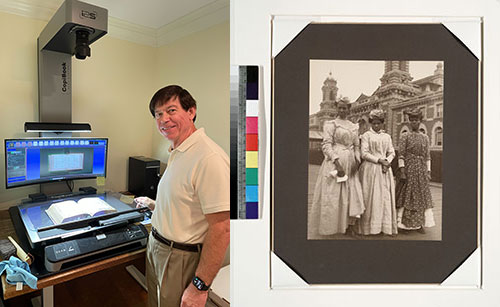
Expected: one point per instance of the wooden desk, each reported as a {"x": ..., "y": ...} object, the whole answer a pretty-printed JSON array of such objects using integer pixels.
[{"x": 47, "y": 283}]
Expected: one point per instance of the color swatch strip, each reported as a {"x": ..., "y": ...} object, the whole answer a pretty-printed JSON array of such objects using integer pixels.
[{"x": 244, "y": 142}]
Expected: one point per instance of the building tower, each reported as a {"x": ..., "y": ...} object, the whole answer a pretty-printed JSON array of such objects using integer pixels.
[
  {"x": 327, "y": 108},
  {"x": 330, "y": 90},
  {"x": 395, "y": 82}
]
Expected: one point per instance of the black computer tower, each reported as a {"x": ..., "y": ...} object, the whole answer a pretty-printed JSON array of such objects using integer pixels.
[{"x": 143, "y": 176}]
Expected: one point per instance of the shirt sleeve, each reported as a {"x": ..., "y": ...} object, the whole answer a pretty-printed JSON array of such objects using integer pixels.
[
  {"x": 355, "y": 132},
  {"x": 365, "y": 149},
  {"x": 428, "y": 153},
  {"x": 391, "y": 153},
  {"x": 427, "y": 148},
  {"x": 211, "y": 184},
  {"x": 356, "y": 142},
  {"x": 402, "y": 149},
  {"x": 328, "y": 140}
]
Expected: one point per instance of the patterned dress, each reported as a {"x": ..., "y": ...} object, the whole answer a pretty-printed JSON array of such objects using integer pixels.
[
  {"x": 378, "y": 187},
  {"x": 335, "y": 202},
  {"x": 414, "y": 199}
]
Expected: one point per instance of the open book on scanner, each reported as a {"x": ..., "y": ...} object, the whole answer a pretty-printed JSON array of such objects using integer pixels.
[{"x": 70, "y": 210}]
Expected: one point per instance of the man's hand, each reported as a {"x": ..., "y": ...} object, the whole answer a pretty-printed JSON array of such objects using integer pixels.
[
  {"x": 193, "y": 297},
  {"x": 144, "y": 201}
]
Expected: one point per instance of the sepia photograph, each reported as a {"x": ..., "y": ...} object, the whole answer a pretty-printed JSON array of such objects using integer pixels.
[{"x": 375, "y": 150}]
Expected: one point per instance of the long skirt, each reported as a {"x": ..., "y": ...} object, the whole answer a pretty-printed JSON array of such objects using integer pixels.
[
  {"x": 379, "y": 198},
  {"x": 335, "y": 202},
  {"x": 414, "y": 199}
]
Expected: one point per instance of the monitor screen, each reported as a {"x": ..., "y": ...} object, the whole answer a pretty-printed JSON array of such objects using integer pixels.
[{"x": 41, "y": 160}]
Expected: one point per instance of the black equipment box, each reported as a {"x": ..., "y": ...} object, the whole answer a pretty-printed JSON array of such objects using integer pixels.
[{"x": 143, "y": 176}]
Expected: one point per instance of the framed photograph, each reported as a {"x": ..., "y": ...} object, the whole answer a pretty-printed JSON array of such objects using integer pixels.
[{"x": 375, "y": 153}]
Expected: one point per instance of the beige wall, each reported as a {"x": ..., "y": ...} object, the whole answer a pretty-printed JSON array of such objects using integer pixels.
[{"x": 199, "y": 63}]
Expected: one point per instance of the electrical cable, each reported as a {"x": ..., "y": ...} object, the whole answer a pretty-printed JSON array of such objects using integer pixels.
[{"x": 70, "y": 187}]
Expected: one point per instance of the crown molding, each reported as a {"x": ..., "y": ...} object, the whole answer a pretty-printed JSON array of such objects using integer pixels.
[
  {"x": 201, "y": 19},
  {"x": 41, "y": 9},
  {"x": 127, "y": 31}
]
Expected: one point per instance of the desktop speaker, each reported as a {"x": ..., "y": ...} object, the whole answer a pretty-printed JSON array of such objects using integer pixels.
[{"x": 143, "y": 176}]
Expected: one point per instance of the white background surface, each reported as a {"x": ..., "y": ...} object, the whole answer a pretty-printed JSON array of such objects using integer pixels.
[{"x": 250, "y": 240}]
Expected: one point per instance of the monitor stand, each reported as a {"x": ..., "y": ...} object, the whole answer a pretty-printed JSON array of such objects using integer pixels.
[{"x": 54, "y": 188}]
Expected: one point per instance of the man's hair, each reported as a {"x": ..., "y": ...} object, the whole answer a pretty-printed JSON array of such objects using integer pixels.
[{"x": 164, "y": 95}]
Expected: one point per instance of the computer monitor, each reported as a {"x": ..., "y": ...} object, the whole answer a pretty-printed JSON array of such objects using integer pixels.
[{"x": 41, "y": 160}]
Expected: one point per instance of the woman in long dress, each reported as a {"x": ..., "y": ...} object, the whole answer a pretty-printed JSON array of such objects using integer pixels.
[
  {"x": 414, "y": 199},
  {"x": 377, "y": 180},
  {"x": 338, "y": 200}
]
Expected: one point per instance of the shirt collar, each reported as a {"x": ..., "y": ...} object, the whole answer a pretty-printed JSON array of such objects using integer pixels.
[{"x": 189, "y": 141}]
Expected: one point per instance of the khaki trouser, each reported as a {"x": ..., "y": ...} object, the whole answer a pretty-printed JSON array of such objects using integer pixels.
[{"x": 168, "y": 272}]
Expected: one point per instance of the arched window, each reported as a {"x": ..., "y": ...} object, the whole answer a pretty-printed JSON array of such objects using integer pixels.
[
  {"x": 438, "y": 136},
  {"x": 404, "y": 130},
  {"x": 422, "y": 128},
  {"x": 332, "y": 97}
]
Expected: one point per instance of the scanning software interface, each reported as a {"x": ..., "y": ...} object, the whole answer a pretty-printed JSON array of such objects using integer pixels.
[{"x": 39, "y": 160}]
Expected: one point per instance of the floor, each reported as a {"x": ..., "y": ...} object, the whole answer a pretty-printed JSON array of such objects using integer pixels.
[{"x": 111, "y": 287}]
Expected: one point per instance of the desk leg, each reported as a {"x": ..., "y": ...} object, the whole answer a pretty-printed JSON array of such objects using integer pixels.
[
  {"x": 137, "y": 275},
  {"x": 48, "y": 296}
]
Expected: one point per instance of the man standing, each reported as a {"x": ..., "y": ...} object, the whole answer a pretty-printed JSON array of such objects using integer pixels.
[{"x": 190, "y": 221}]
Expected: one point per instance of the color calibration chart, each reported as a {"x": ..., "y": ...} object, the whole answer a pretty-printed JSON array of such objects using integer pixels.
[{"x": 244, "y": 142}]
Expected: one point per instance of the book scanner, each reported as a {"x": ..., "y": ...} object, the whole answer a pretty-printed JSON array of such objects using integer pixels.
[{"x": 79, "y": 241}]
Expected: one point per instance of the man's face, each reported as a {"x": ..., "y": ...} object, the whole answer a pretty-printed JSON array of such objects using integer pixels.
[{"x": 173, "y": 122}]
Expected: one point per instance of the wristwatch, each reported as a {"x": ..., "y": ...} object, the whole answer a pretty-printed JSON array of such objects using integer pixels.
[{"x": 200, "y": 284}]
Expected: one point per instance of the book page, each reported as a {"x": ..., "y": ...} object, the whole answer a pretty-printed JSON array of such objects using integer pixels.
[
  {"x": 65, "y": 211},
  {"x": 95, "y": 206}
]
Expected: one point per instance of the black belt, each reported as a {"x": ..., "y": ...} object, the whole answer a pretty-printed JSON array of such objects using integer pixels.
[{"x": 182, "y": 246}]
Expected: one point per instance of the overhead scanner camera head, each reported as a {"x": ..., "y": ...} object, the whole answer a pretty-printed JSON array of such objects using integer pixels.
[{"x": 82, "y": 48}]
